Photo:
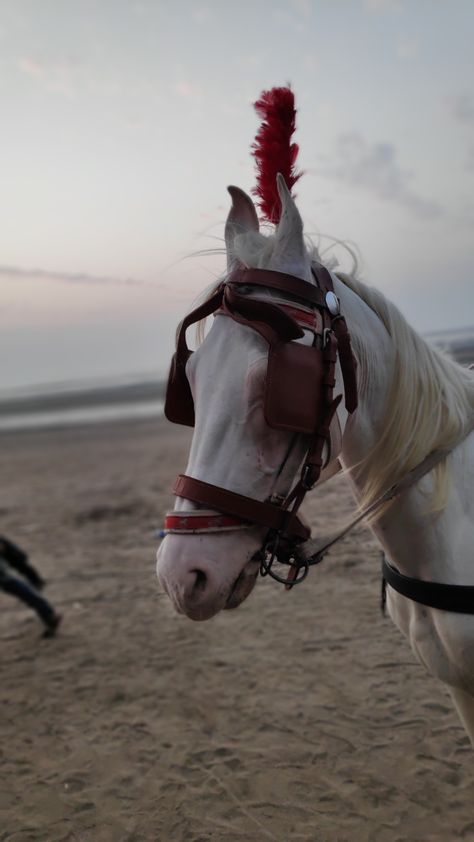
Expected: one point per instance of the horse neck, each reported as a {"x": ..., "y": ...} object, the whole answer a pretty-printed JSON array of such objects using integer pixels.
[{"x": 418, "y": 541}]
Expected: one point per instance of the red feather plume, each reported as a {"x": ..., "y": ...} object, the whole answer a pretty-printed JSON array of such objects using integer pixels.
[{"x": 273, "y": 150}]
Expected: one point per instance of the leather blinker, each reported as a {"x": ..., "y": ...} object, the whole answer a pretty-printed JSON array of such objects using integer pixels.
[
  {"x": 296, "y": 377},
  {"x": 293, "y": 388},
  {"x": 179, "y": 403}
]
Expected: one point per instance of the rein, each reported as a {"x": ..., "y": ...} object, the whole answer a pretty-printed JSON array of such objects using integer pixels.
[{"x": 313, "y": 550}]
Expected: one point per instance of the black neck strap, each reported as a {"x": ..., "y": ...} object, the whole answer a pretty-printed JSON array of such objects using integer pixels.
[{"x": 456, "y": 598}]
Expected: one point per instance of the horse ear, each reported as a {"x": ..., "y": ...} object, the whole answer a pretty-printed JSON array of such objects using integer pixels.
[
  {"x": 290, "y": 254},
  {"x": 242, "y": 218}
]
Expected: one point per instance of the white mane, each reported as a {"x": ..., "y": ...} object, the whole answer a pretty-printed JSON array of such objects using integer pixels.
[
  {"x": 430, "y": 401},
  {"x": 429, "y": 405}
]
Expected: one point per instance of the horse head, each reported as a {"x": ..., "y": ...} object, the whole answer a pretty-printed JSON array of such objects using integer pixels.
[{"x": 258, "y": 391}]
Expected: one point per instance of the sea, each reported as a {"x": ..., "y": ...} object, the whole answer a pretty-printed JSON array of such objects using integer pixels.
[{"x": 57, "y": 405}]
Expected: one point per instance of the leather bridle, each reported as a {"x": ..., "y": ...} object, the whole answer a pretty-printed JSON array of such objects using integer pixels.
[
  {"x": 291, "y": 366},
  {"x": 287, "y": 538}
]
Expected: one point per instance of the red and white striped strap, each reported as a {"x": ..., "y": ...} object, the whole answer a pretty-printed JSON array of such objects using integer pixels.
[
  {"x": 201, "y": 521},
  {"x": 304, "y": 316}
]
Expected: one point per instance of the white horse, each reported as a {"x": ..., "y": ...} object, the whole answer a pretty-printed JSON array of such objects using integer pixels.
[{"x": 412, "y": 400}]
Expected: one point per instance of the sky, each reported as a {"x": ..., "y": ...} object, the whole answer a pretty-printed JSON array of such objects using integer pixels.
[{"x": 123, "y": 122}]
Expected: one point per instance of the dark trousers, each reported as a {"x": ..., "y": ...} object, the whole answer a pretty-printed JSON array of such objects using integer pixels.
[
  {"x": 18, "y": 559},
  {"x": 18, "y": 588}
]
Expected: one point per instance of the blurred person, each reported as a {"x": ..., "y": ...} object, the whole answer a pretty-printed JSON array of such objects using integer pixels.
[{"x": 12, "y": 557}]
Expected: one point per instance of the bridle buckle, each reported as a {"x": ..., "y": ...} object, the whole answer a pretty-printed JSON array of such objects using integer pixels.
[
  {"x": 269, "y": 554},
  {"x": 326, "y": 336},
  {"x": 307, "y": 478}
]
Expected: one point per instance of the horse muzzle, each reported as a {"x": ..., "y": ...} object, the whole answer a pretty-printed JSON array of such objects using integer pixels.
[{"x": 204, "y": 574}]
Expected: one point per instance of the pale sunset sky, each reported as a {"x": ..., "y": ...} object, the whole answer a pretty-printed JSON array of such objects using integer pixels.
[{"x": 123, "y": 121}]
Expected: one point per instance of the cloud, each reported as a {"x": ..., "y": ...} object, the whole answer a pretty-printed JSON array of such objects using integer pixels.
[
  {"x": 311, "y": 62},
  {"x": 56, "y": 77},
  {"x": 407, "y": 49},
  {"x": 31, "y": 67},
  {"x": 139, "y": 8},
  {"x": 247, "y": 60},
  {"x": 292, "y": 18},
  {"x": 302, "y": 7},
  {"x": 69, "y": 277},
  {"x": 382, "y": 5},
  {"x": 202, "y": 14},
  {"x": 461, "y": 107},
  {"x": 374, "y": 168},
  {"x": 470, "y": 158},
  {"x": 188, "y": 90}
]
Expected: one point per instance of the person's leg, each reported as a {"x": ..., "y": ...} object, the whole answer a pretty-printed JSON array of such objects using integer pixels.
[
  {"x": 18, "y": 559},
  {"x": 20, "y": 589}
]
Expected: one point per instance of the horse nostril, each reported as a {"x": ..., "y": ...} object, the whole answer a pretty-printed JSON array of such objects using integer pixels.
[{"x": 200, "y": 581}]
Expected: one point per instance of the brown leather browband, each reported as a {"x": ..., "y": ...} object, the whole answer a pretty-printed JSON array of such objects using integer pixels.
[{"x": 289, "y": 284}]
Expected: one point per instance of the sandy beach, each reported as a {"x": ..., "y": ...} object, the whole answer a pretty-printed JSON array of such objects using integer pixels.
[{"x": 299, "y": 717}]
